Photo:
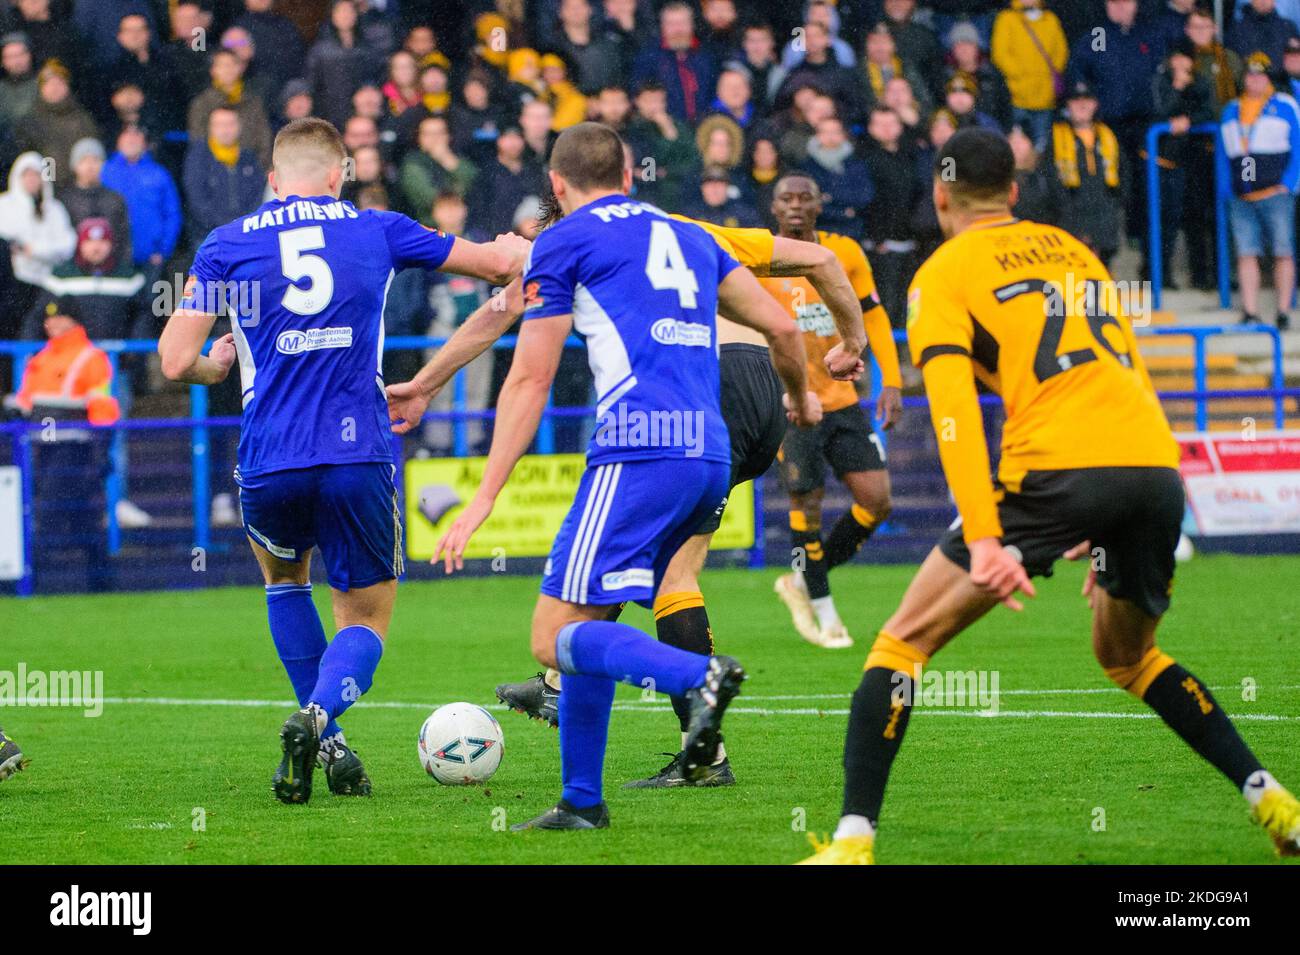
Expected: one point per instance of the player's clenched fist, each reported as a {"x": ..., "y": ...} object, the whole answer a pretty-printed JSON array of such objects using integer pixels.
[
  {"x": 994, "y": 570},
  {"x": 844, "y": 365},
  {"x": 809, "y": 412},
  {"x": 516, "y": 247},
  {"x": 223, "y": 351},
  {"x": 407, "y": 403}
]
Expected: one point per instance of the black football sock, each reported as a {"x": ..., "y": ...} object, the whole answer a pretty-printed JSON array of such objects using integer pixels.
[
  {"x": 807, "y": 540},
  {"x": 1186, "y": 704},
  {"x": 877, "y": 720},
  {"x": 682, "y": 621},
  {"x": 848, "y": 535}
]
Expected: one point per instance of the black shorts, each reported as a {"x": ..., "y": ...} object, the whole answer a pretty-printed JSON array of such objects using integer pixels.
[
  {"x": 844, "y": 439},
  {"x": 1133, "y": 516},
  {"x": 754, "y": 413}
]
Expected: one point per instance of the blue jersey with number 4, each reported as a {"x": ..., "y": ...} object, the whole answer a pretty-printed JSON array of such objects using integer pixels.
[
  {"x": 643, "y": 292},
  {"x": 304, "y": 283}
]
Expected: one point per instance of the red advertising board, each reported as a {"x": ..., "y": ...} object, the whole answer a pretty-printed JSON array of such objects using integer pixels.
[{"x": 1243, "y": 484}]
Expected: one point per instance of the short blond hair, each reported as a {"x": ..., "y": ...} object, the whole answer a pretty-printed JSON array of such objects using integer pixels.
[{"x": 307, "y": 146}]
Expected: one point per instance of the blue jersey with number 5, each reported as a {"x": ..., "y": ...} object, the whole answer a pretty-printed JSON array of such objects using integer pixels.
[
  {"x": 643, "y": 292},
  {"x": 304, "y": 283}
]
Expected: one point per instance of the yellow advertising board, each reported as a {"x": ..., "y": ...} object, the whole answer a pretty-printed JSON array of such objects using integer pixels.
[{"x": 530, "y": 509}]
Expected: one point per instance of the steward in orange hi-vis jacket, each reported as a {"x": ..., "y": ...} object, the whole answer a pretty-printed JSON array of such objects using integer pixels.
[{"x": 69, "y": 367}]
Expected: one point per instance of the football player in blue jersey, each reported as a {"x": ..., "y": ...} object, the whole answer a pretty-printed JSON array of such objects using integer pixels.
[
  {"x": 303, "y": 279},
  {"x": 643, "y": 291},
  {"x": 752, "y": 408}
]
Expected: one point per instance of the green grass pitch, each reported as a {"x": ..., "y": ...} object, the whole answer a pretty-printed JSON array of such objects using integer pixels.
[{"x": 1070, "y": 771}]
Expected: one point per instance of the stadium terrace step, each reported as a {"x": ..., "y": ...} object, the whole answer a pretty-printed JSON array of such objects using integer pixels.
[
  {"x": 1228, "y": 406},
  {"x": 1166, "y": 363},
  {"x": 1180, "y": 382}
]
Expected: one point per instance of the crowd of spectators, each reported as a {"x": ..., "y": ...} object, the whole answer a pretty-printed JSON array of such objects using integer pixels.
[{"x": 130, "y": 128}]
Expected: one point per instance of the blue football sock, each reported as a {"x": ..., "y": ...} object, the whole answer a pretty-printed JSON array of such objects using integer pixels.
[
  {"x": 584, "y": 725},
  {"x": 620, "y": 652},
  {"x": 298, "y": 636},
  {"x": 347, "y": 670}
]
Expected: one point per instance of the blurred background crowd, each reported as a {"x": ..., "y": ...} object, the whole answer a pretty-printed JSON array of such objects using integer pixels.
[{"x": 130, "y": 128}]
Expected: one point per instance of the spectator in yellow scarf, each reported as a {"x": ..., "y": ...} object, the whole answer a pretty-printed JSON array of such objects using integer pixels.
[
  {"x": 1214, "y": 61},
  {"x": 435, "y": 93},
  {"x": 567, "y": 103},
  {"x": 493, "y": 33},
  {"x": 227, "y": 89}
]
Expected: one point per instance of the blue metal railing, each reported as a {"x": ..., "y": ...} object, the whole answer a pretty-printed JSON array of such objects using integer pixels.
[
  {"x": 200, "y": 423},
  {"x": 1155, "y": 257},
  {"x": 1200, "y": 368}
]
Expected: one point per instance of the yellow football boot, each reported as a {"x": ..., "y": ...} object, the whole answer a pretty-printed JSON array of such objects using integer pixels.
[
  {"x": 1279, "y": 813},
  {"x": 850, "y": 850}
]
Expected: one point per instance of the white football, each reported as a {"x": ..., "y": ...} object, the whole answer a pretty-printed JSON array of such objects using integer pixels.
[{"x": 461, "y": 744}]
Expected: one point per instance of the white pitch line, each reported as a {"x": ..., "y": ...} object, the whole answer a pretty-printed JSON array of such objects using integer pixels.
[
  {"x": 628, "y": 707},
  {"x": 1105, "y": 690}
]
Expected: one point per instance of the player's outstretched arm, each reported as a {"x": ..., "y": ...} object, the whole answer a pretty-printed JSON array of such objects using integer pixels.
[
  {"x": 742, "y": 300},
  {"x": 519, "y": 410},
  {"x": 498, "y": 261},
  {"x": 181, "y": 348},
  {"x": 963, "y": 451},
  {"x": 823, "y": 271},
  {"x": 408, "y": 400}
]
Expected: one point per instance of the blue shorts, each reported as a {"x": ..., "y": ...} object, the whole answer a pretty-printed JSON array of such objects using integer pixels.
[
  {"x": 348, "y": 511},
  {"x": 1265, "y": 227},
  {"x": 627, "y": 521}
]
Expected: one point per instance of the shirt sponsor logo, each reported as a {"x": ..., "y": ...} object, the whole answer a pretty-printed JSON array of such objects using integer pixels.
[
  {"x": 673, "y": 331},
  {"x": 633, "y": 577},
  {"x": 295, "y": 341},
  {"x": 815, "y": 318}
]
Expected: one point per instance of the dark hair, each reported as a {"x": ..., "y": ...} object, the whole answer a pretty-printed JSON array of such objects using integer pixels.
[
  {"x": 589, "y": 156},
  {"x": 977, "y": 164},
  {"x": 816, "y": 189},
  {"x": 548, "y": 209}
]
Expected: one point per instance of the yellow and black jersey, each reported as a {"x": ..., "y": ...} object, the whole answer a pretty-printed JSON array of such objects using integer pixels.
[
  {"x": 800, "y": 299},
  {"x": 1031, "y": 312},
  {"x": 752, "y": 248}
]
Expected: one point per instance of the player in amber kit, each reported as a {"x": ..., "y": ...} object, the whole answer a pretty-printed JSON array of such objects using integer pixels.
[
  {"x": 844, "y": 439},
  {"x": 1088, "y": 466}
]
